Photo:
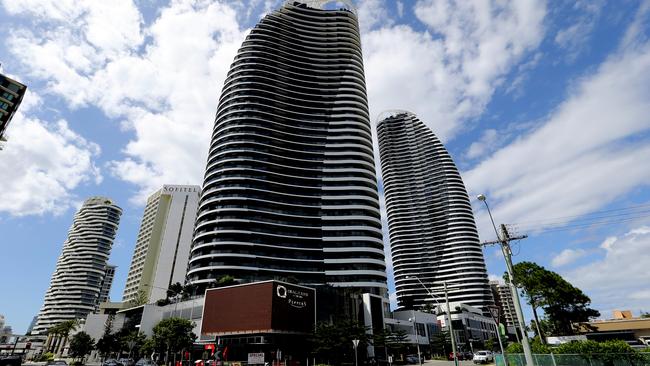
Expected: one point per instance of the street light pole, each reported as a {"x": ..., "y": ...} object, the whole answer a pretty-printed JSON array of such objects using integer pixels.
[
  {"x": 417, "y": 337},
  {"x": 451, "y": 328},
  {"x": 507, "y": 255}
]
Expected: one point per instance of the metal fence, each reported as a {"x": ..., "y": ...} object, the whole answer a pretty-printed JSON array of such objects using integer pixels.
[{"x": 596, "y": 359}]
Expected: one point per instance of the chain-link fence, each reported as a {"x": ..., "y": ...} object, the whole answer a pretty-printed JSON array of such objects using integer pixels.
[{"x": 596, "y": 359}]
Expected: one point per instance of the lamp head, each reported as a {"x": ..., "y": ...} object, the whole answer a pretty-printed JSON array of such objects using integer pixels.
[{"x": 481, "y": 197}]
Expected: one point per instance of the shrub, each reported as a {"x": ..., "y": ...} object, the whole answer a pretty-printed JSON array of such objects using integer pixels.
[
  {"x": 607, "y": 352},
  {"x": 47, "y": 356},
  {"x": 535, "y": 346}
]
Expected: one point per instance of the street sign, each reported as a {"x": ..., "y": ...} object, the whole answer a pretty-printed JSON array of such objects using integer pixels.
[
  {"x": 390, "y": 359},
  {"x": 256, "y": 358}
]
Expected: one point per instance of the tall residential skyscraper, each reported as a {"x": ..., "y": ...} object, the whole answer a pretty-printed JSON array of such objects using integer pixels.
[
  {"x": 80, "y": 270},
  {"x": 164, "y": 240},
  {"x": 11, "y": 94},
  {"x": 290, "y": 189},
  {"x": 433, "y": 235},
  {"x": 503, "y": 299}
]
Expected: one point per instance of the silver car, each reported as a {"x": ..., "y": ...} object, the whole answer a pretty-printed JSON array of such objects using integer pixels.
[{"x": 483, "y": 357}]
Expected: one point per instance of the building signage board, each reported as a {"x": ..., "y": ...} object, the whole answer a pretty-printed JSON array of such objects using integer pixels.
[
  {"x": 170, "y": 188},
  {"x": 260, "y": 307},
  {"x": 294, "y": 307},
  {"x": 256, "y": 358}
]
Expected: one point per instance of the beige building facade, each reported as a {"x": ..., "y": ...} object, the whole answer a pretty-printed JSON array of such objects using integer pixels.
[{"x": 163, "y": 243}]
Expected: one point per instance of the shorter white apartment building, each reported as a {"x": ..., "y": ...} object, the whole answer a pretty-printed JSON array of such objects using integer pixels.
[{"x": 469, "y": 324}]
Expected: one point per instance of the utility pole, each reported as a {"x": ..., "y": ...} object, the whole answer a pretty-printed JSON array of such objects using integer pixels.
[
  {"x": 451, "y": 328},
  {"x": 505, "y": 240}
]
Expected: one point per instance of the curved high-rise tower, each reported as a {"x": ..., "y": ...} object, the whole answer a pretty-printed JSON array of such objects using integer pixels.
[
  {"x": 290, "y": 189},
  {"x": 432, "y": 231},
  {"x": 80, "y": 270}
]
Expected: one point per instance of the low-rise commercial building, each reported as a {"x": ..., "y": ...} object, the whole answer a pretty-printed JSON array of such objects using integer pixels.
[
  {"x": 470, "y": 326},
  {"x": 420, "y": 328},
  {"x": 623, "y": 326}
]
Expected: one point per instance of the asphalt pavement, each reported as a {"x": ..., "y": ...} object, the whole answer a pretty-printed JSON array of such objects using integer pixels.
[{"x": 451, "y": 363}]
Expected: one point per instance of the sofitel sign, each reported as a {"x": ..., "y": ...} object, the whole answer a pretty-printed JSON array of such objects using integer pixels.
[{"x": 170, "y": 189}]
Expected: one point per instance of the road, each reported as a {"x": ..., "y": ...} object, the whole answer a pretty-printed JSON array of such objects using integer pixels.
[{"x": 451, "y": 363}]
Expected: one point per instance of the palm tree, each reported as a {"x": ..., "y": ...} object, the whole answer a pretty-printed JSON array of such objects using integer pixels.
[{"x": 63, "y": 329}]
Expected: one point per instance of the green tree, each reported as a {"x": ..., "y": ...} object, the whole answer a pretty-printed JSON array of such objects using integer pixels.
[
  {"x": 173, "y": 335},
  {"x": 388, "y": 341},
  {"x": 441, "y": 343},
  {"x": 563, "y": 303},
  {"x": 225, "y": 280},
  {"x": 491, "y": 344},
  {"x": 107, "y": 345},
  {"x": 174, "y": 290},
  {"x": 132, "y": 341},
  {"x": 63, "y": 330},
  {"x": 148, "y": 348},
  {"x": 81, "y": 345},
  {"x": 141, "y": 299},
  {"x": 333, "y": 341}
]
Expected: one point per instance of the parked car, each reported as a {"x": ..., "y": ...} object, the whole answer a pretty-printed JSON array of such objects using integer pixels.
[
  {"x": 144, "y": 362},
  {"x": 112, "y": 362},
  {"x": 412, "y": 359},
  {"x": 12, "y": 360},
  {"x": 126, "y": 361},
  {"x": 56, "y": 363},
  {"x": 483, "y": 357},
  {"x": 460, "y": 355}
]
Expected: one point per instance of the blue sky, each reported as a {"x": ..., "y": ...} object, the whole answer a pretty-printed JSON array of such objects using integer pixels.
[{"x": 545, "y": 106}]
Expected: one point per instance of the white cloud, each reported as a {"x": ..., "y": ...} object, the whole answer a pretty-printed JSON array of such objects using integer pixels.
[
  {"x": 571, "y": 157},
  {"x": 641, "y": 295},
  {"x": 620, "y": 278},
  {"x": 487, "y": 143},
  {"x": 166, "y": 94},
  {"x": 42, "y": 163},
  {"x": 373, "y": 13},
  {"x": 163, "y": 79},
  {"x": 392, "y": 298},
  {"x": 111, "y": 27},
  {"x": 574, "y": 38},
  {"x": 400, "y": 8},
  {"x": 568, "y": 256},
  {"x": 448, "y": 73},
  {"x": 493, "y": 277},
  {"x": 608, "y": 242}
]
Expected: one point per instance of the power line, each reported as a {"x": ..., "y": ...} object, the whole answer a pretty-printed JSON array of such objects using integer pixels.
[
  {"x": 644, "y": 207},
  {"x": 587, "y": 219},
  {"x": 587, "y": 225}
]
